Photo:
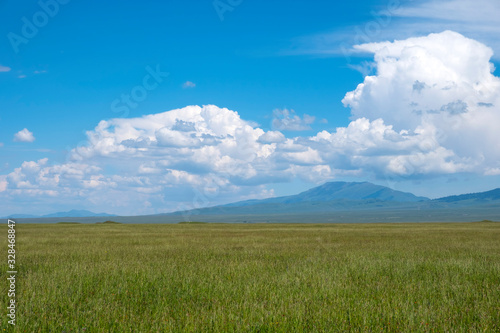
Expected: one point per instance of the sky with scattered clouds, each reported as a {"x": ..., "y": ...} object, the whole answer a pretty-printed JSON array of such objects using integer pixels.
[{"x": 125, "y": 108}]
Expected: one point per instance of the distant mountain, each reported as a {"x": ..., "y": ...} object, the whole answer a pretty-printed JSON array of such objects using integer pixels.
[
  {"x": 339, "y": 191},
  {"x": 71, "y": 213},
  {"x": 77, "y": 213},
  {"x": 358, "y": 198},
  {"x": 332, "y": 202},
  {"x": 333, "y": 196},
  {"x": 482, "y": 197},
  {"x": 21, "y": 216}
]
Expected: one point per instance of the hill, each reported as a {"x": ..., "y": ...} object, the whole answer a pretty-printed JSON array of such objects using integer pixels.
[
  {"x": 336, "y": 202},
  {"x": 359, "y": 199},
  {"x": 482, "y": 197},
  {"x": 339, "y": 191},
  {"x": 333, "y": 196}
]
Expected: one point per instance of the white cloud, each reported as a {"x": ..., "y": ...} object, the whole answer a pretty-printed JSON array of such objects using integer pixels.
[
  {"x": 24, "y": 136},
  {"x": 375, "y": 147},
  {"x": 492, "y": 172},
  {"x": 4, "y": 69},
  {"x": 188, "y": 84},
  {"x": 3, "y": 183},
  {"x": 442, "y": 84},
  {"x": 287, "y": 120},
  {"x": 156, "y": 157},
  {"x": 477, "y": 11},
  {"x": 272, "y": 137},
  {"x": 477, "y": 19},
  {"x": 308, "y": 157},
  {"x": 432, "y": 109}
]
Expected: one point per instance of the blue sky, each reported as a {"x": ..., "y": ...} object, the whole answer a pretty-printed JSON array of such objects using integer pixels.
[{"x": 283, "y": 67}]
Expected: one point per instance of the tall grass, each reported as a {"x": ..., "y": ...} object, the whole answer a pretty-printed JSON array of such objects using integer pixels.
[{"x": 256, "y": 278}]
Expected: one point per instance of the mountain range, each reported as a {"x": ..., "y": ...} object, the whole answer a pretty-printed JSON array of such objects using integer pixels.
[
  {"x": 348, "y": 196},
  {"x": 348, "y": 202},
  {"x": 339, "y": 191},
  {"x": 71, "y": 213}
]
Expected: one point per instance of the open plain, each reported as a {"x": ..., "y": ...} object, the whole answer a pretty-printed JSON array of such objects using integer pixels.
[{"x": 199, "y": 277}]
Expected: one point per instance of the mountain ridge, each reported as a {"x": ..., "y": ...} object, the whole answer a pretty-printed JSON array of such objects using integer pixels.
[
  {"x": 70, "y": 213},
  {"x": 325, "y": 199},
  {"x": 346, "y": 196},
  {"x": 339, "y": 190},
  {"x": 487, "y": 195}
]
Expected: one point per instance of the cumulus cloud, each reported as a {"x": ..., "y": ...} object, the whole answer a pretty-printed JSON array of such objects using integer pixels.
[
  {"x": 431, "y": 109},
  {"x": 188, "y": 84},
  {"x": 272, "y": 137},
  {"x": 24, "y": 136},
  {"x": 492, "y": 172},
  {"x": 156, "y": 157},
  {"x": 287, "y": 120},
  {"x": 441, "y": 83}
]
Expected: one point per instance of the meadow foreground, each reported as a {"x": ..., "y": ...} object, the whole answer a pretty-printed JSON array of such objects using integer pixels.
[{"x": 256, "y": 278}]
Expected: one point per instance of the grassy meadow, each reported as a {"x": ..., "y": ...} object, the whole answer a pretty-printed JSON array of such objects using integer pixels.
[{"x": 255, "y": 278}]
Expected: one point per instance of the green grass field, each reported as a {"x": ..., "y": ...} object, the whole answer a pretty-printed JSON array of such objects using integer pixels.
[{"x": 256, "y": 278}]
